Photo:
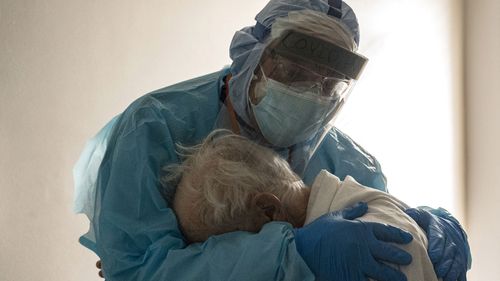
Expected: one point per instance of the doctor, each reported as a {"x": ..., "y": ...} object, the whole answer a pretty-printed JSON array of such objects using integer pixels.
[{"x": 291, "y": 74}]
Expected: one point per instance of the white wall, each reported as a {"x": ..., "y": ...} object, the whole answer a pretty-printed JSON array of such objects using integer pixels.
[
  {"x": 407, "y": 107},
  {"x": 483, "y": 134},
  {"x": 67, "y": 67}
]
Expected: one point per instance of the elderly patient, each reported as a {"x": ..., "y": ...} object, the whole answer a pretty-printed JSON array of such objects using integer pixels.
[{"x": 228, "y": 183}]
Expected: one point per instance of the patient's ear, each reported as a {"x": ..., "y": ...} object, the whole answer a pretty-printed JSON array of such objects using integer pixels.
[{"x": 268, "y": 205}]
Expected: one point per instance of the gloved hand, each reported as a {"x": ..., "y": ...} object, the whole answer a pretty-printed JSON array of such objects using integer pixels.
[
  {"x": 448, "y": 247},
  {"x": 337, "y": 247}
]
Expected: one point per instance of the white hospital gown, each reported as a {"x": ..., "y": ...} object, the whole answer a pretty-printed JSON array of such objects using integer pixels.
[{"x": 329, "y": 193}]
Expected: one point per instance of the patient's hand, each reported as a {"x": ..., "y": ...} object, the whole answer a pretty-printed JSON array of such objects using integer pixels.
[{"x": 99, "y": 266}]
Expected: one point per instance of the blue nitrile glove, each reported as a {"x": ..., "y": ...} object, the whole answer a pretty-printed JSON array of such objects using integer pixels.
[
  {"x": 448, "y": 247},
  {"x": 337, "y": 247}
]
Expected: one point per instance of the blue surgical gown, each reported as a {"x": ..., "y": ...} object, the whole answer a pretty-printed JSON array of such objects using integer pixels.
[{"x": 134, "y": 231}]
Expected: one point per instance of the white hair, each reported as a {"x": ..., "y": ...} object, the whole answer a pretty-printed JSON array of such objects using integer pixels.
[{"x": 221, "y": 175}]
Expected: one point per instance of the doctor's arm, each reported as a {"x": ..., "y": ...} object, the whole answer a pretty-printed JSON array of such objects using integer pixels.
[
  {"x": 137, "y": 237},
  {"x": 448, "y": 246},
  {"x": 352, "y": 245}
]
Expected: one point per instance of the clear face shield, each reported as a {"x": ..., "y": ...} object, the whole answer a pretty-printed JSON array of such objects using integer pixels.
[{"x": 299, "y": 87}]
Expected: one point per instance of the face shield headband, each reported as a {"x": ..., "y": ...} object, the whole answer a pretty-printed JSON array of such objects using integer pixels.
[{"x": 301, "y": 46}]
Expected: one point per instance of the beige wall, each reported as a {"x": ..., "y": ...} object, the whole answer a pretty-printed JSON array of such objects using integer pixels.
[
  {"x": 407, "y": 108},
  {"x": 483, "y": 134},
  {"x": 67, "y": 67}
]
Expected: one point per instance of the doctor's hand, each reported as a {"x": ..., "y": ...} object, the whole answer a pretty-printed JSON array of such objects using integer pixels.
[
  {"x": 448, "y": 247},
  {"x": 337, "y": 247}
]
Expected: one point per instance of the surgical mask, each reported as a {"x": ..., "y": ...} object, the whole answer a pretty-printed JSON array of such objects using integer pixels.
[{"x": 288, "y": 115}]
